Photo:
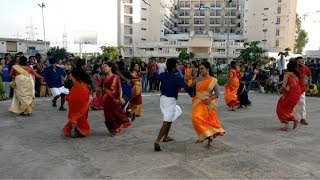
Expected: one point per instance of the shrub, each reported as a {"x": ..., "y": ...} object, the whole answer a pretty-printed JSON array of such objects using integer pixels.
[{"x": 222, "y": 80}]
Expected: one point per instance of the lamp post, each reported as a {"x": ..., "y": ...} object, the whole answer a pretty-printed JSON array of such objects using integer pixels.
[
  {"x": 44, "y": 30},
  {"x": 228, "y": 34}
]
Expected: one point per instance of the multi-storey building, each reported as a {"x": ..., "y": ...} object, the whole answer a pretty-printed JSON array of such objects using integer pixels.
[
  {"x": 212, "y": 29},
  {"x": 271, "y": 22}
]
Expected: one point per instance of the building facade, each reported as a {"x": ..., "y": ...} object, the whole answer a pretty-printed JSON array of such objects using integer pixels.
[
  {"x": 28, "y": 47},
  {"x": 212, "y": 29}
]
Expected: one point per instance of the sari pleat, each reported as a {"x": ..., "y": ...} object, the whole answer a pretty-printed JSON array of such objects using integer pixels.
[
  {"x": 78, "y": 102},
  {"x": 96, "y": 103},
  {"x": 204, "y": 117}
]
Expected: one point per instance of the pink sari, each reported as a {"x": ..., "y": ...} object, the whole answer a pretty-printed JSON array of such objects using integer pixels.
[{"x": 96, "y": 103}]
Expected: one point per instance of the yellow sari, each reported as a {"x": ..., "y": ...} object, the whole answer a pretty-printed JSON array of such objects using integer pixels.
[
  {"x": 188, "y": 78},
  {"x": 22, "y": 101},
  {"x": 136, "y": 98},
  {"x": 204, "y": 117}
]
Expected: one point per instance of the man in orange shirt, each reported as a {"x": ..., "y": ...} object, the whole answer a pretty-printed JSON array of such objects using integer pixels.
[{"x": 300, "y": 109}]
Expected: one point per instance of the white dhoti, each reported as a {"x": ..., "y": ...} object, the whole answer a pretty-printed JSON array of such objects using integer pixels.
[
  {"x": 58, "y": 91},
  {"x": 169, "y": 108},
  {"x": 300, "y": 109}
]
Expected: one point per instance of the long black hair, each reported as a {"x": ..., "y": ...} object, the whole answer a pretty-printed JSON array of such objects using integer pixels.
[
  {"x": 207, "y": 65},
  {"x": 112, "y": 66},
  {"x": 133, "y": 63},
  {"x": 195, "y": 64},
  {"x": 79, "y": 74},
  {"x": 291, "y": 67},
  {"x": 233, "y": 64},
  {"x": 171, "y": 64},
  {"x": 94, "y": 69}
]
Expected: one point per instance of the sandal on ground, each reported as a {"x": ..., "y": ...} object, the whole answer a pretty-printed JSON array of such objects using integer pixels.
[
  {"x": 168, "y": 139},
  {"x": 157, "y": 147},
  {"x": 62, "y": 109},
  {"x": 303, "y": 122}
]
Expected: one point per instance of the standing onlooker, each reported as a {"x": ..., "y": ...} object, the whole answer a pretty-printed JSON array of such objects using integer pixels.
[
  {"x": 60, "y": 63},
  {"x": 151, "y": 67},
  {"x": 2, "y": 90},
  {"x": 162, "y": 67},
  {"x": 144, "y": 72},
  {"x": 300, "y": 109},
  {"x": 5, "y": 77},
  {"x": 280, "y": 65},
  {"x": 314, "y": 69}
]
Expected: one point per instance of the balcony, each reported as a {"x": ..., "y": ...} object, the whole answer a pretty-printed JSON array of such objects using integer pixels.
[
  {"x": 214, "y": 24},
  {"x": 184, "y": 6},
  {"x": 183, "y": 24},
  {"x": 161, "y": 53},
  {"x": 232, "y": 44},
  {"x": 216, "y": 7},
  {"x": 215, "y": 15},
  {"x": 184, "y": 15},
  {"x": 199, "y": 24},
  {"x": 128, "y": 2},
  {"x": 224, "y": 54},
  {"x": 232, "y": 6}
]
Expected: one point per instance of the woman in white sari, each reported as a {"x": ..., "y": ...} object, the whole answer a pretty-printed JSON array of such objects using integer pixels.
[{"x": 23, "y": 85}]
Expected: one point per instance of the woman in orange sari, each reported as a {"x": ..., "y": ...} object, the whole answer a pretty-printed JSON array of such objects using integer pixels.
[
  {"x": 188, "y": 78},
  {"x": 204, "y": 109},
  {"x": 290, "y": 98},
  {"x": 136, "y": 98},
  {"x": 231, "y": 87},
  {"x": 78, "y": 102},
  {"x": 115, "y": 117}
]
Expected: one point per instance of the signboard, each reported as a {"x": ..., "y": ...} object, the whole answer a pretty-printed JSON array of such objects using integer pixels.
[{"x": 85, "y": 37}]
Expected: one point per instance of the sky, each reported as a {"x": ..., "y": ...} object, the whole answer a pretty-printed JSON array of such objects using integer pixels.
[{"x": 100, "y": 16}]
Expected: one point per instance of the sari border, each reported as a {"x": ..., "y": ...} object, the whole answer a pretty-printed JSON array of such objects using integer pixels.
[{"x": 211, "y": 133}]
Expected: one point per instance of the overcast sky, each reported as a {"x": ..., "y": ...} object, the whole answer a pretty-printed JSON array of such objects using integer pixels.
[{"x": 100, "y": 16}]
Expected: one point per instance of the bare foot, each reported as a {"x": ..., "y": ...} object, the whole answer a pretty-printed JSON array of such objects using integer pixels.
[
  {"x": 167, "y": 139},
  {"x": 198, "y": 141},
  {"x": 286, "y": 127},
  {"x": 295, "y": 125}
]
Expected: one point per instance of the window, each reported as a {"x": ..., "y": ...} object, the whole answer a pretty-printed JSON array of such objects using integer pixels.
[
  {"x": 143, "y": 39},
  {"x": 143, "y": 19},
  {"x": 266, "y": 8},
  {"x": 279, "y": 1},
  {"x": 279, "y": 10},
  {"x": 31, "y": 48},
  {"x": 143, "y": 29},
  {"x": 144, "y": 9},
  {"x": 265, "y": 19},
  {"x": 11, "y": 46},
  {"x": 278, "y": 20},
  {"x": 277, "y": 43},
  {"x": 277, "y": 32}
]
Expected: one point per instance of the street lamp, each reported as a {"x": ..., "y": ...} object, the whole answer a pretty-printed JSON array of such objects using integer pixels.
[
  {"x": 228, "y": 35},
  {"x": 44, "y": 30}
]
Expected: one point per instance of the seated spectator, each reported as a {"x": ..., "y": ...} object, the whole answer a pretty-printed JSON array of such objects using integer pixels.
[
  {"x": 272, "y": 82},
  {"x": 262, "y": 79},
  {"x": 312, "y": 90}
]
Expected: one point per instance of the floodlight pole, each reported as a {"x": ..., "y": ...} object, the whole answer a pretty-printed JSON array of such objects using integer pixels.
[{"x": 44, "y": 30}]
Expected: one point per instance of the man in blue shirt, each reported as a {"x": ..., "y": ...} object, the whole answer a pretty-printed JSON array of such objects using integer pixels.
[
  {"x": 5, "y": 77},
  {"x": 54, "y": 76},
  {"x": 170, "y": 84}
]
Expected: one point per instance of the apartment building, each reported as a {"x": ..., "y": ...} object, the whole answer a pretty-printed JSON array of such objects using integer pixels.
[
  {"x": 212, "y": 29},
  {"x": 271, "y": 22},
  {"x": 28, "y": 47}
]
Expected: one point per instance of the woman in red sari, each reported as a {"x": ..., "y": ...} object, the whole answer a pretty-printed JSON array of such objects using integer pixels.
[
  {"x": 78, "y": 102},
  {"x": 291, "y": 95},
  {"x": 231, "y": 87},
  {"x": 115, "y": 118},
  {"x": 96, "y": 102},
  {"x": 136, "y": 98}
]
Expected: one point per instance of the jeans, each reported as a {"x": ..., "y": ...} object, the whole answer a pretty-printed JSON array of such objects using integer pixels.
[
  {"x": 6, "y": 86},
  {"x": 144, "y": 82}
]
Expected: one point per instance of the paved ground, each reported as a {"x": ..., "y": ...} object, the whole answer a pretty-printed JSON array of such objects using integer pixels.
[{"x": 253, "y": 147}]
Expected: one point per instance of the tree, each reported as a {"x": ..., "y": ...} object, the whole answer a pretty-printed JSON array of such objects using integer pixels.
[
  {"x": 284, "y": 53},
  {"x": 186, "y": 56},
  {"x": 111, "y": 52},
  {"x": 253, "y": 53},
  {"x": 301, "y": 37},
  {"x": 58, "y": 53}
]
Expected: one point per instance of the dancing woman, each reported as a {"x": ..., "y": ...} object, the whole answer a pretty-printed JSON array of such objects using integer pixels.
[
  {"x": 188, "y": 78},
  {"x": 231, "y": 87},
  {"x": 78, "y": 102},
  {"x": 136, "y": 98},
  {"x": 115, "y": 118},
  {"x": 243, "y": 90},
  {"x": 22, "y": 101},
  {"x": 204, "y": 109},
  {"x": 291, "y": 94}
]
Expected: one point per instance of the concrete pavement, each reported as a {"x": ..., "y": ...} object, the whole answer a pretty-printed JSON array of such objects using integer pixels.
[{"x": 253, "y": 147}]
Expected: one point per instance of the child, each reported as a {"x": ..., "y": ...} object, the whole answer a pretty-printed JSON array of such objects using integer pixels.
[
  {"x": 170, "y": 84},
  {"x": 312, "y": 90}
]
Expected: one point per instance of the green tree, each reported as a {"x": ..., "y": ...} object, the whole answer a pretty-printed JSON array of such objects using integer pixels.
[
  {"x": 284, "y": 53},
  {"x": 58, "y": 53},
  {"x": 185, "y": 56},
  {"x": 253, "y": 53},
  {"x": 111, "y": 52},
  {"x": 301, "y": 37}
]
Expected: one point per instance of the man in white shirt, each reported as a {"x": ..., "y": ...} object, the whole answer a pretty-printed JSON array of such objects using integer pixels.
[
  {"x": 162, "y": 67},
  {"x": 280, "y": 64}
]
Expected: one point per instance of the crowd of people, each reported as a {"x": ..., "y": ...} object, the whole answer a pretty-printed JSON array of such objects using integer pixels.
[{"x": 116, "y": 89}]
